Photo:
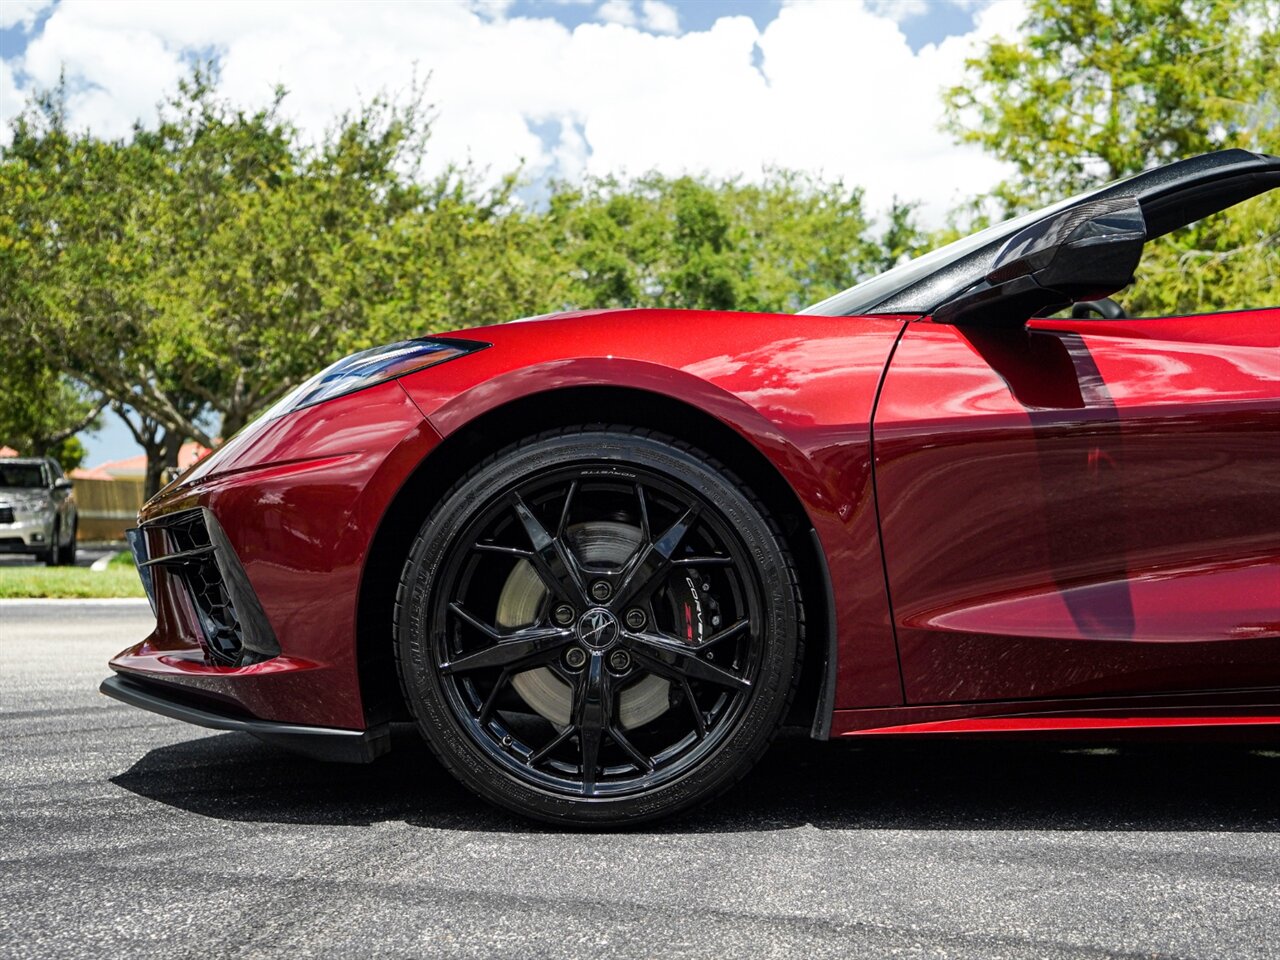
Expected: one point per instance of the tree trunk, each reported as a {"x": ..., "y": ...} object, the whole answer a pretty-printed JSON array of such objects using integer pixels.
[
  {"x": 162, "y": 461},
  {"x": 232, "y": 421},
  {"x": 155, "y": 470}
]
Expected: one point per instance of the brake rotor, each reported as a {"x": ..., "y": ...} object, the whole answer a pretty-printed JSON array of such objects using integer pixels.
[{"x": 598, "y": 543}]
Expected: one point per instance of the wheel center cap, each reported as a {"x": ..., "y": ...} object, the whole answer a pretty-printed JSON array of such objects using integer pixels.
[{"x": 598, "y": 628}]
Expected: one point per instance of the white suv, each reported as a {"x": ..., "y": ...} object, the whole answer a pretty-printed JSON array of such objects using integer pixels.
[{"x": 37, "y": 510}]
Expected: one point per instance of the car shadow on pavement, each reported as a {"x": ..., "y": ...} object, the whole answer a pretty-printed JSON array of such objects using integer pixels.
[{"x": 871, "y": 785}]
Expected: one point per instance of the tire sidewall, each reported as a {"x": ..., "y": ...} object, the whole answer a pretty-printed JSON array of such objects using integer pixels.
[
  {"x": 53, "y": 557},
  {"x": 69, "y": 554},
  {"x": 423, "y": 685}
]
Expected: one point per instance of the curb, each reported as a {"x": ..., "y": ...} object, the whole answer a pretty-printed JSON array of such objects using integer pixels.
[{"x": 86, "y": 601}]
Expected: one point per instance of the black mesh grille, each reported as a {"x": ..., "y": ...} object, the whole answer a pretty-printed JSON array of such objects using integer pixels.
[
  {"x": 6, "y": 514},
  {"x": 224, "y": 638}
]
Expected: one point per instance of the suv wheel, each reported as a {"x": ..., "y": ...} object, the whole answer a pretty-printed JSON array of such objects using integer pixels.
[{"x": 53, "y": 556}]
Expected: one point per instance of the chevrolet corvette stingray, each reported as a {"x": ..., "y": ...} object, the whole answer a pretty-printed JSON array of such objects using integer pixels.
[{"x": 599, "y": 558}]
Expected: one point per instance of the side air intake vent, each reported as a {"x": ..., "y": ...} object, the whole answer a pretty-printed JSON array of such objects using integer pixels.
[{"x": 233, "y": 626}]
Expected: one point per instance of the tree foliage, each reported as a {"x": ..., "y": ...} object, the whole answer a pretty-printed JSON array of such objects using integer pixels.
[
  {"x": 41, "y": 406},
  {"x": 1094, "y": 91},
  {"x": 775, "y": 245},
  {"x": 41, "y": 410}
]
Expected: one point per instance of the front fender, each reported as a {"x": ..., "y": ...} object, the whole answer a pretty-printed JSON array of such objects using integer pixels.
[{"x": 801, "y": 390}]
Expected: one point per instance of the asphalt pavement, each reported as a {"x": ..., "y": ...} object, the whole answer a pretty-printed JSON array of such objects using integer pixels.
[{"x": 126, "y": 834}]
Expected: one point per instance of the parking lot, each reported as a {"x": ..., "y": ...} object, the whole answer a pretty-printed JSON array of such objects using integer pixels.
[{"x": 127, "y": 834}]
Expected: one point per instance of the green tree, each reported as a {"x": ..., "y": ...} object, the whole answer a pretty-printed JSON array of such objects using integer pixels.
[
  {"x": 266, "y": 244},
  {"x": 776, "y": 245},
  {"x": 272, "y": 256},
  {"x": 42, "y": 410},
  {"x": 41, "y": 405},
  {"x": 1228, "y": 261},
  {"x": 202, "y": 268},
  {"x": 70, "y": 453},
  {"x": 77, "y": 250},
  {"x": 1092, "y": 91}
]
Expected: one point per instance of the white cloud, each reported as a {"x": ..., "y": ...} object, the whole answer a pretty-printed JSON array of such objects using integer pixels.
[
  {"x": 493, "y": 9},
  {"x": 898, "y": 10},
  {"x": 659, "y": 17},
  {"x": 621, "y": 12},
  {"x": 653, "y": 15},
  {"x": 21, "y": 13},
  {"x": 10, "y": 98},
  {"x": 838, "y": 90}
]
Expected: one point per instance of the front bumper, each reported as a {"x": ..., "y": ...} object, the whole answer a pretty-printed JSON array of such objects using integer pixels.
[
  {"x": 27, "y": 533},
  {"x": 254, "y": 572}
]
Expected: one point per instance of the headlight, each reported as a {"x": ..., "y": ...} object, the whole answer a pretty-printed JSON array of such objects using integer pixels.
[
  {"x": 349, "y": 374},
  {"x": 372, "y": 366}
]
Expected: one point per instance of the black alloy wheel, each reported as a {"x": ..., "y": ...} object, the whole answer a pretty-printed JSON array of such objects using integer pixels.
[{"x": 598, "y": 626}]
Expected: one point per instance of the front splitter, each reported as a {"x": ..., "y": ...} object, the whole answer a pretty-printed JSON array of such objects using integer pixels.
[{"x": 320, "y": 743}]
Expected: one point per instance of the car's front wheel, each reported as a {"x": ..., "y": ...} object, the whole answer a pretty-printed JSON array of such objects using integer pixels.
[
  {"x": 599, "y": 626},
  {"x": 67, "y": 553},
  {"x": 53, "y": 556}
]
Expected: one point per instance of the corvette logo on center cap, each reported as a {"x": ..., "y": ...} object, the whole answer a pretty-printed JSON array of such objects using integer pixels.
[{"x": 598, "y": 628}]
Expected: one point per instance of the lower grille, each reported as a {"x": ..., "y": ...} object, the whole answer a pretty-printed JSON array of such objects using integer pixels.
[
  {"x": 234, "y": 629},
  {"x": 218, "y": 619}
]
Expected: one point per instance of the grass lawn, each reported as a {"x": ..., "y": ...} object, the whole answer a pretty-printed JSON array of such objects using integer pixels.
[{"x": 120, "y": 579}]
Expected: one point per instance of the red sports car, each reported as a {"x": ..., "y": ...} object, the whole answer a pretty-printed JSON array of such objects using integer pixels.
[{"x": 599, "y": 558}]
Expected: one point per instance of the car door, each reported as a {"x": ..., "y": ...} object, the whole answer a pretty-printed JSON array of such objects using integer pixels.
[{"x": 1084, "y": 507}]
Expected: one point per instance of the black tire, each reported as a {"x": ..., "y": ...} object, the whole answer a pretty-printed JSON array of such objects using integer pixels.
[
  {"x": 68, "y": 558},
  {"x": 692, "y": 536},
  {"x": 53, "y": 556}
]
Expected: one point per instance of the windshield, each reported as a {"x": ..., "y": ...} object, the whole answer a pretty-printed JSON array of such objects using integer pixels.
[
  {"x": 869, "y": 295},
  {"x": 28, "y": 475}
]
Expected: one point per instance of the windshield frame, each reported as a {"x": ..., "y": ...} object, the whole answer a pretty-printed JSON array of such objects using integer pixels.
[
  {"x": 884, "y": 287},
  {"x": 923, "y": 284}
]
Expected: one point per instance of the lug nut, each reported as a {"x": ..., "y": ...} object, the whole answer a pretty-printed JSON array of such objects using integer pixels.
[
  {"x": 575, "y": 658},
  {"x": 635, "y": 618},
  {"x": 619, "y": 660},
  {"x": 563, "y": 614},
  {"x": 600, "y": 590}
]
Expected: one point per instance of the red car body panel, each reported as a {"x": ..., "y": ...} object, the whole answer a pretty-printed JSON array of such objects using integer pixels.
[
  {"x": 1032, "y": 568},
  {"x": 303, "y": 499},
  {"x": 1087, "y": 510},
  {"x": 800, "y": 389},
  {"x": 300, "y": 503}
]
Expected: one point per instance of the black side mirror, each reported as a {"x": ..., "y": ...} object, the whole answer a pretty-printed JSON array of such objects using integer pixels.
[
  {"x": 1085, "y": 252},
  {"x": 1106, "y": 308}
]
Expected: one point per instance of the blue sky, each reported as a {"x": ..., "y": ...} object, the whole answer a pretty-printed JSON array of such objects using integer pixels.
[{"x": 558, "y": 88}]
